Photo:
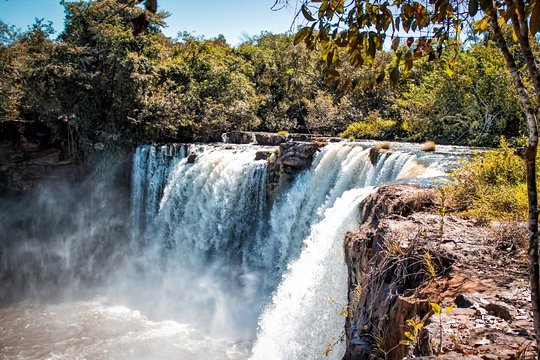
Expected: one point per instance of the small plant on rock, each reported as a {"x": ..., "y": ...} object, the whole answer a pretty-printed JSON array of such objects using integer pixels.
[{"x": 438, "y": 311}]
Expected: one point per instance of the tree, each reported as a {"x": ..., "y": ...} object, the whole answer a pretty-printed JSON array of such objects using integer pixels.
[{"x": 358, "y": 29}]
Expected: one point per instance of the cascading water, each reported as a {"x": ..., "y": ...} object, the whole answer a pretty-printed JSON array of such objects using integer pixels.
[{"x": 214, "y": 269}]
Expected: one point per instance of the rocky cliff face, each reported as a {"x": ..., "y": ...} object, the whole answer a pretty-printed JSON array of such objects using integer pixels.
[
  {"x": 404, "y": 256},
  {"x": 35, "y": 151}
]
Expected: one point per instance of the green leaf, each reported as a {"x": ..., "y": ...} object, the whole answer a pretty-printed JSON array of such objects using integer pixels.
[
  {"x": 473, "y": 7},
  {"x": 534, "y": 24},
  {"x": 302, "y": 34},
  {"x": 307, "y": 13}
]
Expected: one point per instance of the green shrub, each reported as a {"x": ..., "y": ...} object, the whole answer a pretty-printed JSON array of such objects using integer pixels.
[
  {"x": 371, "y": 127},
  {"x": 491, "y": 186}
]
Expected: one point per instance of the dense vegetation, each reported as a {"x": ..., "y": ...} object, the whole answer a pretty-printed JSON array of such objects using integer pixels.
[
  {"x": 107, "y": 83},
  {"x": 490, "y": 186}
]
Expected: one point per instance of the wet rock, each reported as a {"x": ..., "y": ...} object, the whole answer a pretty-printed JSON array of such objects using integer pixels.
[
  {"x": 262, "y": 155},
  {"x": 298, "y": 155},
  {"x": 291, "y": 158},
  {"x": 191, "y": 158},
  {"x": 237, "y": 137},
  {"x": 269, "y": 139},
  {"x": 250, "y": 137}
]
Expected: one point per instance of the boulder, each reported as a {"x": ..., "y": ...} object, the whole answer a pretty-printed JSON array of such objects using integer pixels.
[
  {"x": 298, "y": 155},
  {"x": 262, "y": 155}
]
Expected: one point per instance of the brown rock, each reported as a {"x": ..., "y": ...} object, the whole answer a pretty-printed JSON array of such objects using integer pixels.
[
  {"x": 262, "y": 155},
  {"x": 500, "y": 310},
  {"x": 191, "y": 158},
  {"x": 298, "y": 155}
]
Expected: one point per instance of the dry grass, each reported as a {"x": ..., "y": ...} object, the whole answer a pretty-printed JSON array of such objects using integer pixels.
[
  {"x": 510, "y": 236},
  {"x": 428, "y": 146}
]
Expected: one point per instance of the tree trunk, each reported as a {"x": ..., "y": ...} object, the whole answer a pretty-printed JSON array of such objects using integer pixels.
[{"x": 529, "y": 155}]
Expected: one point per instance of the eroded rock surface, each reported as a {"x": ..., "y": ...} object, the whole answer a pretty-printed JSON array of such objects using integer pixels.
[
  {"x": 390, "y": 283},
  {"x": 291, "y": 158}
]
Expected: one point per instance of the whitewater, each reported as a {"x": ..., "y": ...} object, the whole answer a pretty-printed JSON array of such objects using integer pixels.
[{"x": 210, "y": 266}]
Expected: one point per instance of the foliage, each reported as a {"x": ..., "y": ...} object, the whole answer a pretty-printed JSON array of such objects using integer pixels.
[
  {"x": 491, "y": 186},
  {"x": 410, "y": 336},
  {"x": 372, "y": 127},
  {"x": 109, "y": 84},
  {"x": 473, "y": 106}
]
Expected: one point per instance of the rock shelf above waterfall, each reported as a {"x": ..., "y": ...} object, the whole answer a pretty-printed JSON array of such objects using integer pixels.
[
  {"x": 271, "y": 139},
  {"x": 485, "y": 278}
]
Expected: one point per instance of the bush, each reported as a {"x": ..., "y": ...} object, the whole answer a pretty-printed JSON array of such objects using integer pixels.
[
  {"x": 491, "y": 186},
  {"x": 372, "y": 127}
]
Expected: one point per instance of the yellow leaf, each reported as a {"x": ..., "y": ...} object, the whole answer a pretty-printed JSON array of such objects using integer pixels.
[
  {"x": 481, "y": 25},
  {"x": 449, "y": 71},
  {"x": 405, "y": 342},
  {"x": 436, "y": 308},
  {"x": 449, "y": 309},
  {"x": 514, "y": 36},
  {"x": 344, "y": 313},
  {"x": 409, "y": 335},
  {"x": 302, "y": 34}
]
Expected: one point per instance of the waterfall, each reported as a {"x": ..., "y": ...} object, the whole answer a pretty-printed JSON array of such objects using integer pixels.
[
  {"x": 304, "y": 315},
  {"x": 209, "y": 268},
  {"x": 151, "y": 168},
  {"x": 218, "y": 254}
]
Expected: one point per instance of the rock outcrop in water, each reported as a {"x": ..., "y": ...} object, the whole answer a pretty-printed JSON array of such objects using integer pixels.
[
  {"x": 390, "y": 282},
  {"x": 289, "y": 160}
]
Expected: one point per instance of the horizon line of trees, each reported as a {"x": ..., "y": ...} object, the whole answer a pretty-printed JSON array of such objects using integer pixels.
[{"x": 109, "y": 84}]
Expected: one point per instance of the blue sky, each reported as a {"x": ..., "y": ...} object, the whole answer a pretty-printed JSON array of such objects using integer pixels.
[{"x": 232, "y": 18}]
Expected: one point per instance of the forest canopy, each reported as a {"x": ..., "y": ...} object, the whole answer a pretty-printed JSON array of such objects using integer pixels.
[{"x": 108, "y": 83}]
